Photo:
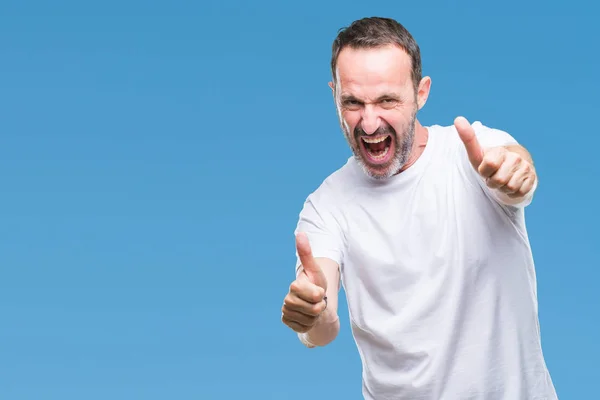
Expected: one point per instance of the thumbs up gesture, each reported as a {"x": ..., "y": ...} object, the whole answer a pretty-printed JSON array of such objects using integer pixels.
[
  {"x": 507, "y": 171},
  {"x": 306, "y": 299}
]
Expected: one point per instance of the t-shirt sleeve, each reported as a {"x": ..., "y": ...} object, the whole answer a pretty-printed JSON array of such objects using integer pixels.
[
  {"x": 317, "y": 221},
  {"x": 490, "y": 137}
]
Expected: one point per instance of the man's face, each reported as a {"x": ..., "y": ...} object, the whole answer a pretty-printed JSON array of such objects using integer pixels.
[{"x": 377, "y": 105}]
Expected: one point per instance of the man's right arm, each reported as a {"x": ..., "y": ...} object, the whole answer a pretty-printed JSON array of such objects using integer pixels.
[
  {"x": 305, "y": 309},
  {"x": 310, "y": 307}
]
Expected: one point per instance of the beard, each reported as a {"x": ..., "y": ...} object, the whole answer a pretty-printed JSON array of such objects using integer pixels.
[{"x": 401, "y": 144}]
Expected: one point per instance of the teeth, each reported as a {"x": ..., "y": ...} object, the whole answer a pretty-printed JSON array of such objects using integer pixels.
[{"x": 374, "y": 140}]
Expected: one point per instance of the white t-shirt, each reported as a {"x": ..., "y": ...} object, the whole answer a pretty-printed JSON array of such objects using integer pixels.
[{"x": 439, "y": 277}]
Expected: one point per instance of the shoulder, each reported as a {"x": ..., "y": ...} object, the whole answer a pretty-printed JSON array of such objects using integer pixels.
[
  {"x": 488, "y": 136},
  {"x": 337, "y": 186},
  {"x": 447, "y": 143},
  {"x": 491, "y": 137},
  {"x": 444, "y": 136}
]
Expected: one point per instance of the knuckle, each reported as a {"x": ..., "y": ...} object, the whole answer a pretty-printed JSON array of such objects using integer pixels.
[
  {"x": 316, "y": 296},
  {"x": 514, "y": 184},
  {"x": 492, "y": 159},
  {"x": 496, "y": 164},
  {"x": 501, "y": 180},
  {"x": 492, "y": 164},
  {"x": 294, "y": 287},
  {"x": 316, "y": 309},
  {"x": 321, "y": 307},
  {"x": 289, "y": 303},
  {"x": 512, "y": 187},
  {"x": 514, "y": 158},
  {"x": 529, "y": 170}
]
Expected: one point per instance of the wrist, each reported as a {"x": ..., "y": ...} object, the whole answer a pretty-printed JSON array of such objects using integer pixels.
[
  {"x": 327, "y": 317},
  {"x": 323, "y": 332}
]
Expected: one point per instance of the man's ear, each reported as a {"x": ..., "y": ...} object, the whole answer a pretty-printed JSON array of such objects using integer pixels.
[
  {"x": 332, "y": 86},
  {"x": 423, "y": 91}
]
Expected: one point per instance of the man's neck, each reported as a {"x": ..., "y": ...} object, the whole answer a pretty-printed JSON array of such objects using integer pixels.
[{"x": 421, "y": 137}]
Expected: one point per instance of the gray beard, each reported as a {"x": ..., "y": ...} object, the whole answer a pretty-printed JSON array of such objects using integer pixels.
[{"x": 403, "y": 147}]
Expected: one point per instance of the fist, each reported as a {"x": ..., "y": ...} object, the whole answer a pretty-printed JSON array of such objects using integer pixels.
[
  {"x": 306, "y": 299},
  {"x": 507, "y": 171}
]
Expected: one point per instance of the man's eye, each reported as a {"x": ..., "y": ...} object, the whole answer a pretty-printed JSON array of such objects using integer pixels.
[
  {"x": 389, "y": 103},
  {"x": 351, "y": 104}
]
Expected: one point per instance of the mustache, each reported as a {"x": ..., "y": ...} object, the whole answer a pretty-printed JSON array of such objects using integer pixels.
[{"x": 382, "y": 130}]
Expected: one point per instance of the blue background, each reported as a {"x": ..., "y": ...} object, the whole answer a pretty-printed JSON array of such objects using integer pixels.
[{"x": 154, "y": 157}]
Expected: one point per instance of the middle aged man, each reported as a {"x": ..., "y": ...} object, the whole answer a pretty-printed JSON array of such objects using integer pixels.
[{"x": 425, "y": 227}]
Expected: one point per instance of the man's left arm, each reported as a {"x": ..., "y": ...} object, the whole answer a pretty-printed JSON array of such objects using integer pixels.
[{"x": 507, "y": 169}]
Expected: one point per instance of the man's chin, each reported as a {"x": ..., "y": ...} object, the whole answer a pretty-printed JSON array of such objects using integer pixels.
[{"x": 379, "y": 171}]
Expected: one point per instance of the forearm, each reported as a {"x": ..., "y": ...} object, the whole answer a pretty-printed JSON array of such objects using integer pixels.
[{"x": 324, "y": 332}]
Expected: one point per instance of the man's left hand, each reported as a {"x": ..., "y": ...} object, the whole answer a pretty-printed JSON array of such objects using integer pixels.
[{"x": 505, "y": 168}]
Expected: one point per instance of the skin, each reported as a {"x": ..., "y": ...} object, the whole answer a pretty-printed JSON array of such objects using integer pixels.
[
  {"x": 508, "y": 170},
  {"x": 374, "y": 95},
  {"x": 374, "y": 92},
  {"x": 304, "y": 308}
]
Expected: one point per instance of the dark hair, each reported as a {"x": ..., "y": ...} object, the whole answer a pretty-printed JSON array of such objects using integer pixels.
[{"x": 375, "y": 32}]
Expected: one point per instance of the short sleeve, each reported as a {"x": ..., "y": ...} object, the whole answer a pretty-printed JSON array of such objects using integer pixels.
[
  {"x": 490, "y": 137},
  {"x": 317, "y": 221}
]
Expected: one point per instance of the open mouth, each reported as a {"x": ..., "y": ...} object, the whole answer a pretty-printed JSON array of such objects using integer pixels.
[{"x": 377, "y": 148}]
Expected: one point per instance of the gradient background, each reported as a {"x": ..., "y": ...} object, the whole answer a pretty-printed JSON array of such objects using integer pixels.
[{"x": 154, "y": 158}]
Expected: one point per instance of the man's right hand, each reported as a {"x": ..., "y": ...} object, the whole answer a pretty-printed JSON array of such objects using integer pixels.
[{"x": 306, "y": 299}]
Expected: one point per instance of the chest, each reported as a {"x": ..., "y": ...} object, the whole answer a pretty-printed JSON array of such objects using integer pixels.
[{"x": 440, "y": 221}]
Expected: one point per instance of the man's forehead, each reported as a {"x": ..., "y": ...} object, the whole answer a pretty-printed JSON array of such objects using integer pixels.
[{"x": 381, "y": 66}]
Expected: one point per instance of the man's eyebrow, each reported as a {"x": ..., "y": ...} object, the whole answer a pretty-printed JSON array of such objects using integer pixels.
[
  {"x": 346, "y": 97},
  {"x": 390, "y": 95}
]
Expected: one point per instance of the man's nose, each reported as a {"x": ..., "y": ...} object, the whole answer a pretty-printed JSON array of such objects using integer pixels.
[{"x": 370, "y": 120}]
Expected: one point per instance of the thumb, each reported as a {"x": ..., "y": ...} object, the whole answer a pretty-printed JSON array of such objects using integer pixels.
[
  {"x": 310, "y": 266},
  {"x": 469, "y": 139}
]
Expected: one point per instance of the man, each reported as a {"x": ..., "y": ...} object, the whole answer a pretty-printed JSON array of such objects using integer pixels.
[{"x": 425, "y": 228}]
